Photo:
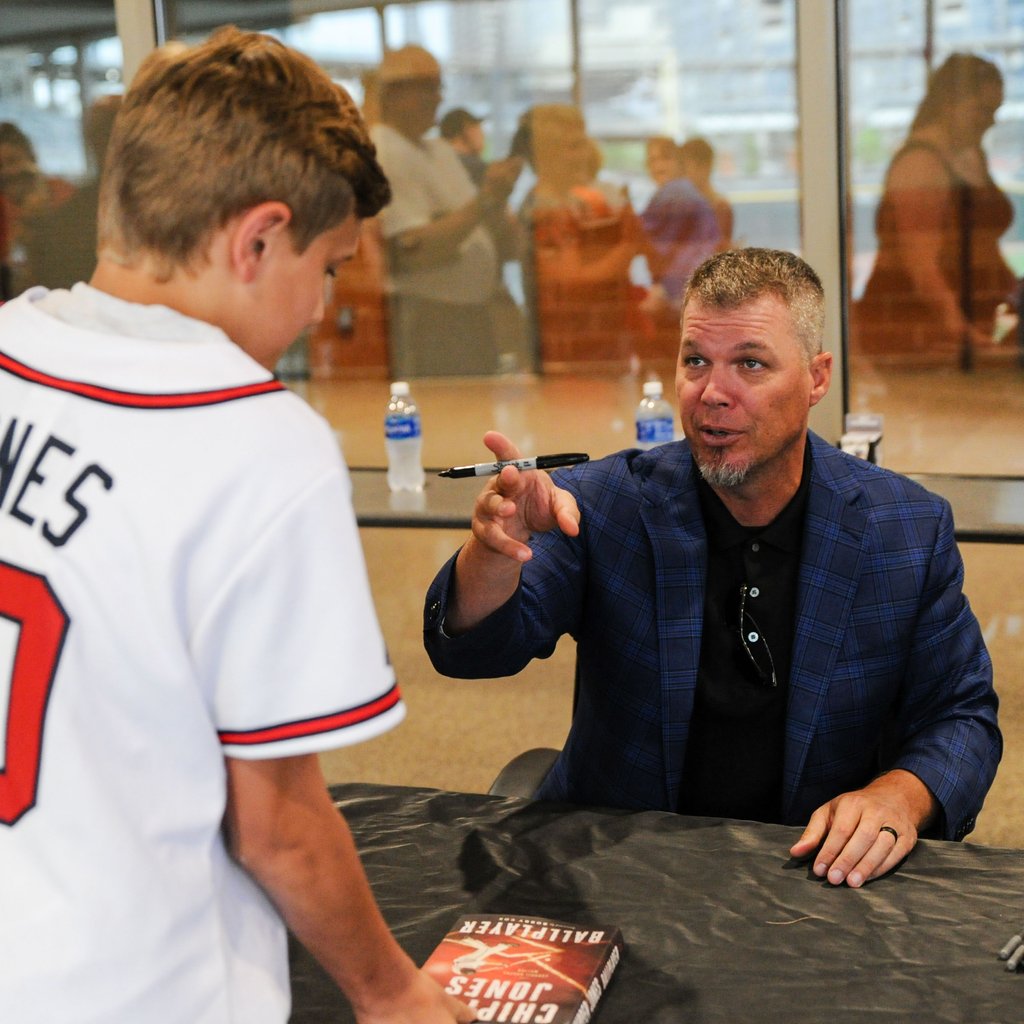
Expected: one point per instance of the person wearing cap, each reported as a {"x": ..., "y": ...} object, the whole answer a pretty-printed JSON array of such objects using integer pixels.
[
  {"x": 464, "y": 133},
  {"x": 443, "y": 235}
]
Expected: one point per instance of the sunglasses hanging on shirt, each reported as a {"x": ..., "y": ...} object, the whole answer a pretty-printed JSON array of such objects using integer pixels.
[{"x": 754, "y": 642}]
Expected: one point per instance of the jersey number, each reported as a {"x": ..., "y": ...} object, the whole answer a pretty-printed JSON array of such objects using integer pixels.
[{"x": 28, "y": 602}]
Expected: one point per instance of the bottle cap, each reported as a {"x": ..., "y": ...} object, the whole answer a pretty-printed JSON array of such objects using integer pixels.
[
  {"x": 652, "y": 389},
  {"x": 400, "y": 388}
]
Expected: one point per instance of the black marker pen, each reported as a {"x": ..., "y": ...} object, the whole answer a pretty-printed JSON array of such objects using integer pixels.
[{"x": 537, "y": 462}]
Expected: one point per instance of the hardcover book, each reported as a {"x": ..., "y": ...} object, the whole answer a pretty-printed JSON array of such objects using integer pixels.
[{"x": 527, "y": 970}]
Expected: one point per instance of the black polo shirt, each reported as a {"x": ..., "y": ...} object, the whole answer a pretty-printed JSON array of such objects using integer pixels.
[{"x": 733, "y": 765}]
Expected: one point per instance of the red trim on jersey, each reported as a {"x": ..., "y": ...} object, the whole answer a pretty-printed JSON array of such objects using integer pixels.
[
  {"x": 134, "y": 400},
  {"x": 314, "y": 726}
]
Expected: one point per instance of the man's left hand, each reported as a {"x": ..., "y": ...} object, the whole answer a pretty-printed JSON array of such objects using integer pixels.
[{"x": 855, "y": 831}]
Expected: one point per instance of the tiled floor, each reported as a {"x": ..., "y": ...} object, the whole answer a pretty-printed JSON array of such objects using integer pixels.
[{"x": 459, "y": 733}]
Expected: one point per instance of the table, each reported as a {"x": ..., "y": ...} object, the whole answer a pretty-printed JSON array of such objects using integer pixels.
[
  {"x": 443, "y": 503},
  {"x": 985, "y": 509},
  {"x": 719, "y": 925}
]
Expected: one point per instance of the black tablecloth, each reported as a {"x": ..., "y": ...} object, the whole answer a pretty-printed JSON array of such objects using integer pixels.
[{"x": 719, "y": 924}]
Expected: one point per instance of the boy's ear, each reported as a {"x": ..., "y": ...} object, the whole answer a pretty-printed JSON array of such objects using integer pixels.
[{"x": 254, "y": 236}]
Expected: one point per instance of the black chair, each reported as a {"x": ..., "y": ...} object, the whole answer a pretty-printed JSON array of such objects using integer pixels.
[{"x": 523, "y": 775}]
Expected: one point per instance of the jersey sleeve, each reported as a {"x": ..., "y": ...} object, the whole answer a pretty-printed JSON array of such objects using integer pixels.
[{"x": 291, "y": 650}]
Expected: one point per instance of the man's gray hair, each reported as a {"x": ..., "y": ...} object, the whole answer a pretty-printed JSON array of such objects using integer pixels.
[{"x": 733, "y": 278}]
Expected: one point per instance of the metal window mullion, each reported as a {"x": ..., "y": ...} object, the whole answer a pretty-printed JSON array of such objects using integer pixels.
[
  {"x": 821, "y": 117},
  {"x": 137, "y": 28}
]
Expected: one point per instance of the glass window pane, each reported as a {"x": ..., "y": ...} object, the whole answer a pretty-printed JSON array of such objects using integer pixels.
[
  {"x": 936, "y": 138},
  {"x": 723, "y": 71},
  {"x": 645, "y": 69},
  {"x": 493, "y": 67},
  {"x": 704, "y": 71},
  {"x": 59, "y": 83},
  {"x": 719, "y": 77},
  {"x": 495, "y": 61}
]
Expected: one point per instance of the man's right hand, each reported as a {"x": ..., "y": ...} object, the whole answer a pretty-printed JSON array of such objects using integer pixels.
[
  {"x": 513, "y": 505},
  {"x": 516, "y": 504}
]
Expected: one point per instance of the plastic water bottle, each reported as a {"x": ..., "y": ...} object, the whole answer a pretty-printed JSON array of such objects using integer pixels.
[
  {"x": 655, "y": 418},
  {"x": 403, "y": 440}
]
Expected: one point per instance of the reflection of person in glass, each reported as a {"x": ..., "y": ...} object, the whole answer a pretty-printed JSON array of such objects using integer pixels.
[
  {"x": 464, "y": 132},
  {"x": 681, "y": 231},
  {"x": 26, "y": 193},
  {"x": 62, "y": 246},
  {"x": 583, "y": 240},
  {"x": 939, "y": 274},
  {"x": 697, "y": 158},
  {"x": 444, "y": 237}
]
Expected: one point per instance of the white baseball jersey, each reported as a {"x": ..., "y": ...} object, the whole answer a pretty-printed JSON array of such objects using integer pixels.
[{"x": 180, "y": 579}]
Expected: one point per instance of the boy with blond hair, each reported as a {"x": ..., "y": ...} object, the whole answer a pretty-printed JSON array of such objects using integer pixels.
[{"x": 185, "y": 619}]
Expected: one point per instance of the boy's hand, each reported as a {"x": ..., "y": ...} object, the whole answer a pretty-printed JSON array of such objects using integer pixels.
[{"x": 422, "y": 1002}]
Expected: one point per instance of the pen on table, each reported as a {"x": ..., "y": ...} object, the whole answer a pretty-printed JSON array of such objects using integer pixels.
[
  {"x": 1014, "y": 962},
  {"x": 536, "y": 462},
  {"x": 1015, "y": 942}
]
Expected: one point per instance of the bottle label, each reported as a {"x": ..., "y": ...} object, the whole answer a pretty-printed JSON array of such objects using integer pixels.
[
  {"x": 654, "y": 431},
  {"x": 401, "y": 428}
]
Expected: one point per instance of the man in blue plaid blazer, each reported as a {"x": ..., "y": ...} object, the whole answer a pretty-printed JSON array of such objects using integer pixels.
[{"x": 889, "y": 723}]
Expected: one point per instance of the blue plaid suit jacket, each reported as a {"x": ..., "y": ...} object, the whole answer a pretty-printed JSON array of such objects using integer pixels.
[{"x": 889, "y": 668}]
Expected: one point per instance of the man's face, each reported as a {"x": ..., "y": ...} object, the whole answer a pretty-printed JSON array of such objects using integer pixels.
[
  {"x": 662, "y": 166},
  {"x": 745, "y": 389},
  {"x": 418, "y": 100}
]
